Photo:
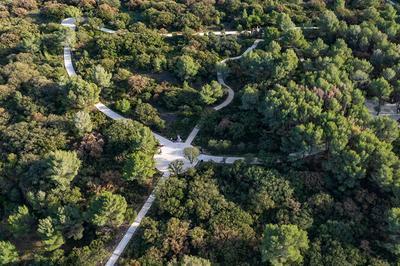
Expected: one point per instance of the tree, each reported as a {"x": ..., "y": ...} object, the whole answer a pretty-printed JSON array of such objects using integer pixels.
[
  {"x": 137, "y": 84},
  {"x": 210, "y": 93},
  {"x": 107, "y": 12},
  {"x": 18, "y": 73},
  {"x": 303, "y": 140},
  {"x": 68, "y": 36},
  {"x": 287, "y": 106},
  {"x": 317, "y": 48},
  {"x": 113, "y": 3},
  {"x": 186, "y": 67},
  {"x": 8, "y": 253},
  {"x": 82, "y": 94},
  {"x": 332, "y": 252},
  {"x": 69, "y": 220},
  {"x": 123, "y": 106},
  {"x": 148, "y": 115},
  {"x": 139, "y": 166},
  {"x": 281, "y": 20},
  {"x": 93, "y": 254},
  {"x": 329, "y": 24},
  {"x": 288, "y": 63},
  {"x": 101, "y": 77},
  {"x": 250, "y": 98},
  {"x": 385, "y": 128},
  {"x": 200, "y": 203},
  {"x": 159, "y": 19},
  {"x": 339, "y": 4},
  {"x": 347, "y": 166},
  {"x": 294, "y": 38},
  {"x": 393, "y": 229},
  {"x": 128, "y": 135},
  {"x": 191, "y": 153},
  {"x": 269, "y": 189},
  {"x": 82, "y": 123},
  {"x": 59, "y": 11},
  {"x": 388, "y": 74},
  {"x": 170, "y": 196},
  {"x": 283, "y": 244},
  {"x": 62, "y": 167},
  {"x": 188, "y": 260},
  {"x": 20, "y": 221},
  {"x": 176, "y": 167},
  {"x": 393, "y": 219},
  {"x": 24, "y": 4},
  {"x": 175, "y": 237},
  {"x": 51, "y": 238},
  {"x": 381, "y": 88},
  {"x": 106, "y": 209},
  {"x": 189, "y": 21},
  {"x": 231, "y": 233}
]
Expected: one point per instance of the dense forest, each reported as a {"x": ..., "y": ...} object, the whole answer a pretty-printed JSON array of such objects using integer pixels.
[{"x": 320, "y": 182}]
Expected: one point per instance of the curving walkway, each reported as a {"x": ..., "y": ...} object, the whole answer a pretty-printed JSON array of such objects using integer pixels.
[
  {"x": 169, "y": 151},
  {"x": 231, "y": 92},
  {"x": 68, "y": 62},
  {"x": 220, "y": 76}
]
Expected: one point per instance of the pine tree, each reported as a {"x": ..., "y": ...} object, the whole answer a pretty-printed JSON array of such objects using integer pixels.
[
  {"x": 19, "y": 222},
  {"x": 51, "y": 238},
  {"x": 82, "y": 123},
  {"x": 283, "y": 244},
  {"x": 107, "y": 209},
  {"x": 8, "y": 253},
  {"x": 62, "y": 167},
  {"x": 139, "y": 166}
]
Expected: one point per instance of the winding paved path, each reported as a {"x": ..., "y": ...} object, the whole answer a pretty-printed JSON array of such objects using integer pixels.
[
  {"x": 220, "y": 76},
  {"x": 231, "y": 92},
  {"x": 169, "y": 151}
]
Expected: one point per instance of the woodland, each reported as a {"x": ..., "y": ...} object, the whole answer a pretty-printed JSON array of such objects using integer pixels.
[{"x": 326, "y": 186}]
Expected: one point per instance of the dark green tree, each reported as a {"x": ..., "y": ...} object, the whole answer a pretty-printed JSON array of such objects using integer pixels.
[
  {"x": 129, "y": 135},
  {"x": 186, "y": 67},
  {"x": 82, "y": 94},
  {"x": 283, "y": 244},
  {"x": 139, "y": 166},
  {"x": 106, "y": 209},
  {"x": 210, "y": 93},
  {"x": 62, "y": 167}
]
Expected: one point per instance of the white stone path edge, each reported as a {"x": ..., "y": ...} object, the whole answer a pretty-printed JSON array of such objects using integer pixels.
[{"x": 170, "y": 151}]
